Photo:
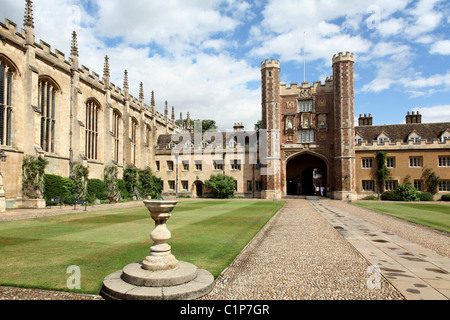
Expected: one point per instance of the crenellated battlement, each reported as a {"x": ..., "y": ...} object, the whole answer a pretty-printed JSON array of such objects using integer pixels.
[
  {"x": 316, "y": 87},
  {"x": 272, "y": 63},
  {"x": 402, "y": 145},
  {"x": 341, "y": 57},
  {"x": 44, "y": 50},
  {"x": 9, "y": 26}
]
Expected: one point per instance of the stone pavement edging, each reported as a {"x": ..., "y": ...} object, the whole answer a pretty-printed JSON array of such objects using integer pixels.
[{"x": 417, "y": 272}]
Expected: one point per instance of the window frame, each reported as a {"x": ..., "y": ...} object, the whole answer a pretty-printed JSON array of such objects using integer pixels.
[
  {"x": 47, "y": 90},
  {"x": 92, "y": 129},
  {"x": 367, "y": 163},
  {"x": 416, "y": 162}
]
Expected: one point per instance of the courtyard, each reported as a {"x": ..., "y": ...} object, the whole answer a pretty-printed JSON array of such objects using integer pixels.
[{"x": 303, "y": 250}]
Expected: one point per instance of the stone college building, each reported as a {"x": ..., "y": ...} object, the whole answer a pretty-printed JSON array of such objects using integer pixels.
[{"x": 53, "y": 107}]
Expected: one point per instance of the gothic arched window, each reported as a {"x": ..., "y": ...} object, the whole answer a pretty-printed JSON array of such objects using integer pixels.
[
  {"x": 134, "y": 128},
  {"x": 92, "y": 115},
  {"x": 47, "y": 108},
  {"x": 116, "y": 135},
  {"x": 6, "y": 81}
]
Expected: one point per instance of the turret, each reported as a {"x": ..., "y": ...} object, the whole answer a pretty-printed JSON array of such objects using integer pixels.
[{"x": 344, "y": 124}]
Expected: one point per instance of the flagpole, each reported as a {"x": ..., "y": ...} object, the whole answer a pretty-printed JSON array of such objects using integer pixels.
[{"x": 304, "y": 56}]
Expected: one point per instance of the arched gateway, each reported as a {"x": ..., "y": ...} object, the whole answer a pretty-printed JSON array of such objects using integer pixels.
[
  {"x": 305, "y": 172},
  {"x": 310, "y": 133}
]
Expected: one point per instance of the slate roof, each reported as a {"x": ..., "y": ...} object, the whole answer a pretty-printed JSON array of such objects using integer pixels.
[{"x": 427, "y": 131}]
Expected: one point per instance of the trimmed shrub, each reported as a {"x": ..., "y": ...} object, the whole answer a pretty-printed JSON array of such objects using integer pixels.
[
  {"x": 122, "y": 185},
  {"x": 56, "y": 187},
  {"x": 425, "y": 196},
  {"x": 391, "y": 196},
  {"x": 408, "y": 192},
  {"x": 96, "y": 189},
  {"x": 445, "y": 197}
]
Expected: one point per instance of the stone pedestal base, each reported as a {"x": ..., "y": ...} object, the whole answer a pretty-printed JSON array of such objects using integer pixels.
[{"x": 186, "y": 282}]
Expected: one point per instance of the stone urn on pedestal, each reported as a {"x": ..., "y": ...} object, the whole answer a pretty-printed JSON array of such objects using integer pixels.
[{"x": 160, "y": 276}]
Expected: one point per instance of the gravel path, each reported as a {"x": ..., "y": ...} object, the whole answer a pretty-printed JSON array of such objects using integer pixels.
[{"x": 299, "y": 256}]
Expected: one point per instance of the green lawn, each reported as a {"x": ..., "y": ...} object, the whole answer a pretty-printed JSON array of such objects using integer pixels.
[
  {"x": 210, "y": 234},
  {"x": 432, "y": 215}
]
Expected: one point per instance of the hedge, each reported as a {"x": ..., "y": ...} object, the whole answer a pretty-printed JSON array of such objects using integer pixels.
[
  {"x": 391, "y": 196},
  {"x": 96, "y": 189},
  {"x": 56, "y": 187},
  {"x": 446, "y": 197},
  {"x": 426, "y": 196}
]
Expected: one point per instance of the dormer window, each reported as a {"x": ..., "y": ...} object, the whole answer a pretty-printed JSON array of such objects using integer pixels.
[
  {"x": 445, "y": 136},
  {"x": 358, "y": 141},
  {"x": 205, "y": 144},
  {"x": 413, "y": 136},
  {"x": 382, "y": 140},
  {"x": 171, "y": 145}
]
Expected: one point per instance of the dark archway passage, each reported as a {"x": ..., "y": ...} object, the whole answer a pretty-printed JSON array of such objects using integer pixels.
[{"x": 304, "y": 173}]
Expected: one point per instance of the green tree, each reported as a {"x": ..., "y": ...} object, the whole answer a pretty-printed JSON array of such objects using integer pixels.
[
  {"x": 131, "y": 177},
  {"x": 209, "y": 125},
  {"x": 206, "y": 124},
  {"x": 258, "y": 125},
  {"x": 383, "y": 171},
  {"x": 223, "y": 186},
  {"x": 431, "y": 181},
  {"x": 150, "y": 184}
]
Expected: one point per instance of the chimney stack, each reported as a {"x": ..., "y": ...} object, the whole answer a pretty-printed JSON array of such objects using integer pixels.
[
  {"x": 365, "y": 120},
  {"x": 414, "y": 118}
]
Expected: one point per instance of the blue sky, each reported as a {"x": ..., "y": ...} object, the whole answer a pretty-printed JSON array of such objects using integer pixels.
[{"x": 204, "y": 56}]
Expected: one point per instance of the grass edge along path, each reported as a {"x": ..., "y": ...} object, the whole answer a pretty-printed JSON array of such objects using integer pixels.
[
  {"x": 36, "y": 253},
  {"x": 433, "y": 215}
]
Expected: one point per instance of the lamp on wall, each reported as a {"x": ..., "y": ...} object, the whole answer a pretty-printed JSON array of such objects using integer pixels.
[{"x": 3, "y": 155}]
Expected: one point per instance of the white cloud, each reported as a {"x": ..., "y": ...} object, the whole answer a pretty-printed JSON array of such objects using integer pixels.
[
  {"x": 441, "y": 47},
  {"x": 391, "y": 61},
  {"x": 172, "y": 24},
  {"x": 439, "y": 113},
  {"x": 424, "y": 17},
  {"x": 436, "y": 80},
  {"x": 392, "y": 27}
]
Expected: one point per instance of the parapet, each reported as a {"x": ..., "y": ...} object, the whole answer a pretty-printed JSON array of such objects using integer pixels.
[
  {"x": 341, "y": 57},
  {"x": 270, "y": 64}
]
